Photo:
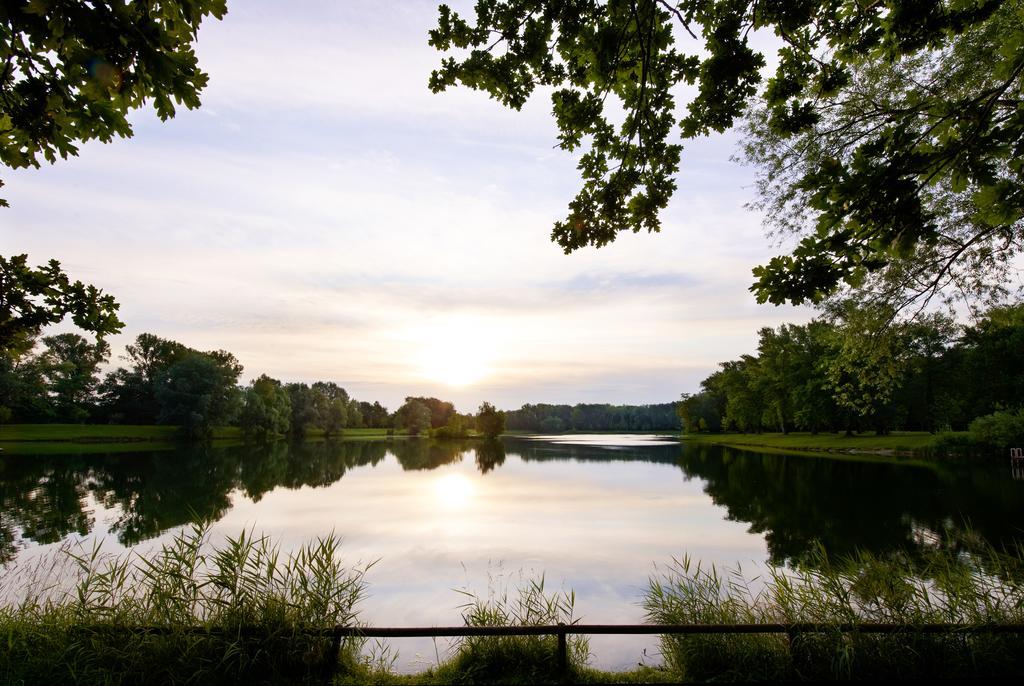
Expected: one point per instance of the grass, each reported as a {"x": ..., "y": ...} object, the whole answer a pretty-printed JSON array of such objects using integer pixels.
[
  {"x": 44, "y": 439},
  {"x": 250, "y": 604},
  {"x": 100, "y": 433},
  {"x": 969, "y": 591},
  {"x": 894, "y": 443},
  {"x": 513, "y": 659},
  {"x": 253, "y": 608}
]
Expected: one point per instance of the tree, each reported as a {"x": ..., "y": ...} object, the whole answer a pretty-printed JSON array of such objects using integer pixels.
[
  {"x": 31, "y": 299},
  {"x": 374, "y": 415},
  {"x": 199, "y": 392},
  {"x": 266, "y": 409},
  {"x": 907, "y": 182},
  {"x": 72, "y": 71},
  {"x": 870, "y": 201},
  {"x": 128, "y": 395},
  {"x": 334, "y": 409},
  {"x": 23, "y": 395},
  {"x": 413, "y": 416},
  {"x": 305, "y": 408},
  {"x": 490, "y": 421},
  {"x": 69, "y": 368},
  {"x": 869, "y": 361},
  {"x": 441, "y": 412}
]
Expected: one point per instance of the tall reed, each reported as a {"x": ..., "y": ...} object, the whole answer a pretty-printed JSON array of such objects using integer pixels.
[
  {"x": 969, "y": 591},
  {"x": 189, "y": 613},
  {"x": 514, "y": 659}
]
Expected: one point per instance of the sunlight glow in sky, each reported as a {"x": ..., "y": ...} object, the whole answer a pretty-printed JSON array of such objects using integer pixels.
[{"x": 324, "y": 216}]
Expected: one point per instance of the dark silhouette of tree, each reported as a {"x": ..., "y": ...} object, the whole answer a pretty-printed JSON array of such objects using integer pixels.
[
  {"x": 72, "y": 71},
  {"x": 69, "y": 366},
  {"x": 946, "y": 118},
  {"x": 490, "y": 421},
  {"x": 31, "y": 299},
  {"x": 199, "y": 392}
]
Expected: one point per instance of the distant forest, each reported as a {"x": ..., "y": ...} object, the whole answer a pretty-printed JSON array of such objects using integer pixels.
[
  {"x": 58, "y": 380},
  {"x": 594, "y": 417}
]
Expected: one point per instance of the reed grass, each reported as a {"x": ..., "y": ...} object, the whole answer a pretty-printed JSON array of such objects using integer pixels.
[
  {"x": 966, "y": 590},
  {"x": 514, "y": 659},
  {"x": 234, "y": 612}
]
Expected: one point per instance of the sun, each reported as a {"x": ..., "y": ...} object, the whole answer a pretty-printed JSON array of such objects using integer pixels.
[{"x": 456, "y": 353}]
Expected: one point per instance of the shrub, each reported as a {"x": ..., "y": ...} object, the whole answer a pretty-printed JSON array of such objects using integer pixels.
[{"x": 1003, "y": 429}]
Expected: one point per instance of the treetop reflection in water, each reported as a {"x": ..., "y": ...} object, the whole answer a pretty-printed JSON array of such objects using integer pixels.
[{"x": 794, "y": 502}]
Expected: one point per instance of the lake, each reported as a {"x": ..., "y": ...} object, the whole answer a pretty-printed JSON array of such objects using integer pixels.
[{"x": 593, "y": 514}]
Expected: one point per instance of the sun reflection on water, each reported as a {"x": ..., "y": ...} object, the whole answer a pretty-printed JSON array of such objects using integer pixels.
[{"x": 454, "y": 491}]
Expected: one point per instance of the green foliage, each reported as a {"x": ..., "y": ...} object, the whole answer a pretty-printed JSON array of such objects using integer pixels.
[
  {"x": 900, "y": 141},
  {"x": 199, "y": 392},
  {"x": 859, "y": 367},
  {"x": 69, "y": 367},
  {"x": 374, "y": 415},
  {"x": 594, "y": 417},
  {"x": 514, "y": 659},
  {"x": 905, "y": 183},
  {"x": 552, "y": 425},
  {"x": 457, "y": 427},
  {"x": 250, "y": 603},
  {"x": 31, "y": 299},
  {"x": 413, "y": 416},
  {"x": 999, "y": 430},
  {"x": 441, "y": 411},
  {"x": 72, "y": 71},
  {"x": 968, "y": 590},
  {"x": 266, "y": 409},
  {"x": 334, "y": 409},
  {"x": 490, "y": 421},
  {"x": 128, "y": 395}
]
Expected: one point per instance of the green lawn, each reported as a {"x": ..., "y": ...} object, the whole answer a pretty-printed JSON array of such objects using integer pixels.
[
  {"x": 119, "y": 434},
  {"x": 99, "y": 433},
  {"x": 896, "y": 442}
]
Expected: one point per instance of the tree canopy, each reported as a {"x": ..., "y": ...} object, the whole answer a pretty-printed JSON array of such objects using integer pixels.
[
  {"x": 71, "y": 71},
  {"x": 31, "y": 299},
  {"x": 870, "y": 191}
]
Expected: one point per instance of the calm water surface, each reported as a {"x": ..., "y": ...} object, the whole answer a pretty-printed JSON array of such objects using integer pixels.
[{"x": 594, "y": 514}]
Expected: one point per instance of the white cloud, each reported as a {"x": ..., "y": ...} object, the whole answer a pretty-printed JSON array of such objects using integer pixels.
[{"x": 323, "y": 211}]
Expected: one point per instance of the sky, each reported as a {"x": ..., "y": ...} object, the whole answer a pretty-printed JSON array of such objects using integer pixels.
[{"x": 324, "y": 216}]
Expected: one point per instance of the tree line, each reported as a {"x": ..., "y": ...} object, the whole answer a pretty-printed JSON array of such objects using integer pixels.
[
  {"x": 855, "y": 369},
  {"x": 167, "y": 382},
  {"x": 545, "y": 418}
]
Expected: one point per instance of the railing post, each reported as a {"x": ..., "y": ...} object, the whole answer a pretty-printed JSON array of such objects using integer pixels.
[
  {"x": 563, "y": 651},
  {"x": 331, "y": 666}
]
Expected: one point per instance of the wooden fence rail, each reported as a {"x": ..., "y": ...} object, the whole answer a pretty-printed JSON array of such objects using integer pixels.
[{"x": 561, "y": 631}]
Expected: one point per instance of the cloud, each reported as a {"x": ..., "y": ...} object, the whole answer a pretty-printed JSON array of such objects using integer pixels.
[{"x": 324, "y": 216}]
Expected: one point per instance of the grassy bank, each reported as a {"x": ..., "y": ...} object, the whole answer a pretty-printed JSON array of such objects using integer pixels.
[
  {"x": 101, "y": 435},
  {"x": 257, "y": 612},
  {"x": 896, "y": 443}
]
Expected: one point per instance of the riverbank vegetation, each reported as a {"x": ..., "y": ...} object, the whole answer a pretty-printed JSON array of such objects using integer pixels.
[
  {"x": 240, "y": 610},
  {"x": 855, "y": 370},
  {"x": 867, "y": 442},
  {"x": 977, "y": 590}
]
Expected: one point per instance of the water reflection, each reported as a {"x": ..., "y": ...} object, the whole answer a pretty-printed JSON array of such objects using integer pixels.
[{"x": 794, "y": 503}]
